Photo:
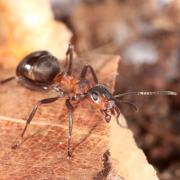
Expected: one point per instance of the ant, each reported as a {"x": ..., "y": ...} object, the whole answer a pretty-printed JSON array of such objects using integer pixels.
[{"x": 40, "y": 70}]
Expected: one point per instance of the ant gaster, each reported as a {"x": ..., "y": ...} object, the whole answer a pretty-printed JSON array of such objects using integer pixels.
[{"x": 41, "y": 70}]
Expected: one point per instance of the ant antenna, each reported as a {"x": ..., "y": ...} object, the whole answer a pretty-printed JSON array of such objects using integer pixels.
[
  {"x": 130, "y": 104},
  {"x": 147, "y": 93}
]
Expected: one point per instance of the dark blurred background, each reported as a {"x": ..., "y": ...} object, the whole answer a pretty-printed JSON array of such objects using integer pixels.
[{"x": 146, "y": 36}]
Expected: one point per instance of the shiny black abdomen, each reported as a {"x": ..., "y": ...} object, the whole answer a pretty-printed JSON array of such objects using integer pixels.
[{"x": 39, "y": 67}]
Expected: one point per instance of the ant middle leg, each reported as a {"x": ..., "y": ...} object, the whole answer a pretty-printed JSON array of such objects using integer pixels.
[
  {"x": 71, "y": 122},
  {"x": 84, "y": 74},
  {"x": 43, "y": 101}
]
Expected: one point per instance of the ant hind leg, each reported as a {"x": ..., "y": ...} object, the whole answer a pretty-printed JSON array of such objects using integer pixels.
[
  {"x": 43, "y": 101},
  {"x": 69, "y": 58},
  {"x": 7, "y": 80}
]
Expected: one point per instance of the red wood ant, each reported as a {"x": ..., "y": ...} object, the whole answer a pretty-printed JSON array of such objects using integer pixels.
[{"x": 41, "y": 70}]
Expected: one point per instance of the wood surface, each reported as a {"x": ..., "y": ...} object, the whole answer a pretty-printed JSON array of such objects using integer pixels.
[{"x": 100, "y": 150}]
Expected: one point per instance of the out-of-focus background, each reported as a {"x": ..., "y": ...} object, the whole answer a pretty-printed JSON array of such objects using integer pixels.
[{"x": 146, "y": 34}]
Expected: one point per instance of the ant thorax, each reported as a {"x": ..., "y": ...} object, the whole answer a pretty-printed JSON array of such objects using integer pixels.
[{"x": 70, "y": 85}]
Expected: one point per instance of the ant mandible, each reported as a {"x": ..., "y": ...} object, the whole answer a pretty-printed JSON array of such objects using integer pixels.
[{"x": 41, "y": 70}]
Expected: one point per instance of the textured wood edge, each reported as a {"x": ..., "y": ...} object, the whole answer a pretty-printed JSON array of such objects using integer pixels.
[{"x": 128, "y": 160}]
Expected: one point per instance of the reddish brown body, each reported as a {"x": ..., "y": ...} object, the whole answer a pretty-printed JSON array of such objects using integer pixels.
[
  {"x": 70, "y": 84},
  {"x": 67, "y": 83}
]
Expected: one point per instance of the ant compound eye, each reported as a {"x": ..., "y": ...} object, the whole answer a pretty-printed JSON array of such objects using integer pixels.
[{"x": 95, "y": 96}]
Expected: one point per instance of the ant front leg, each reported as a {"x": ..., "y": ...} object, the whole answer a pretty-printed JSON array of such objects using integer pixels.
[
  {"x": 43, "y": 101},
  {"x": 71, "y": 122},
  {"x": 69, "y": 58}
]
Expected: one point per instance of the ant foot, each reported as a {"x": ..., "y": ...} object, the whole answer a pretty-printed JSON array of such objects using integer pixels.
[
  {"x": 16, "y": 144},
  {"x": 69, "y": 155}
]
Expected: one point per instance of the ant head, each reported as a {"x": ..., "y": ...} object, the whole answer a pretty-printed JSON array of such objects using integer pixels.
[
  {"x": 108, "y": 104},
  {"x": 104, "y": 101}
]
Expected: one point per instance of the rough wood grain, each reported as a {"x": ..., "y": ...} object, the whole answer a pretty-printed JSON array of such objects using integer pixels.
[{"x": 98, "y": 151}]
